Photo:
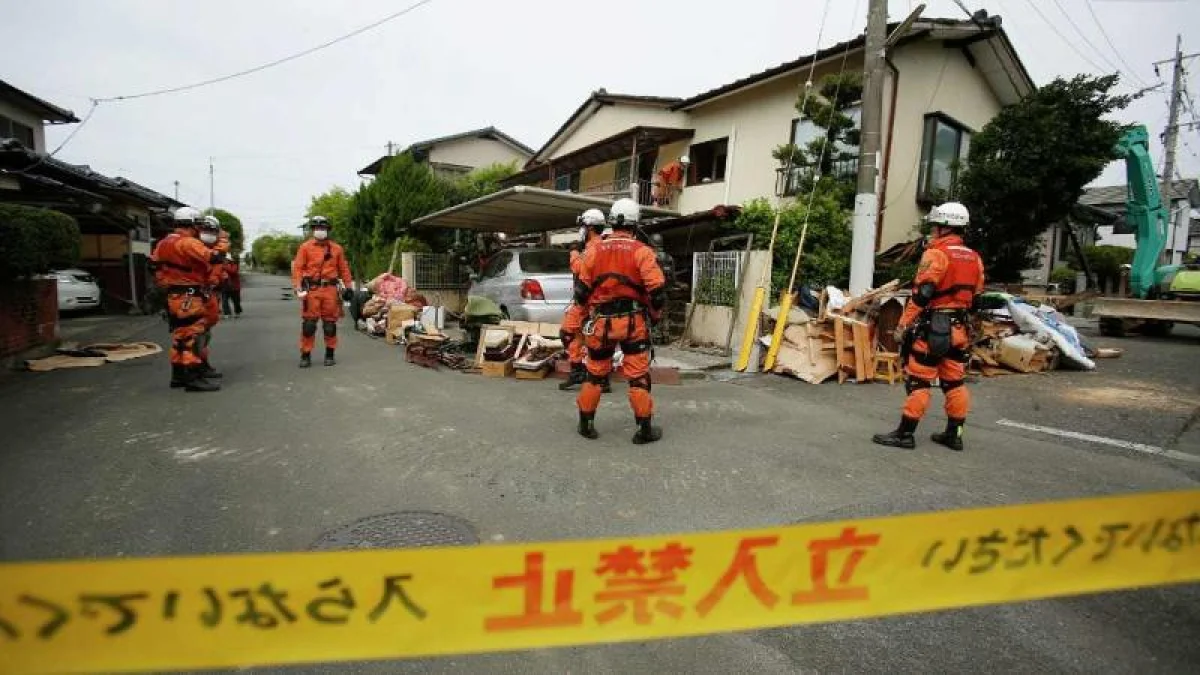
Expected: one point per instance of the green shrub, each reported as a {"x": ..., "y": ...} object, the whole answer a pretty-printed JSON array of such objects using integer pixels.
[
  {"x": 35, "y": 241},
  {"x": 1064, "y": 276}
]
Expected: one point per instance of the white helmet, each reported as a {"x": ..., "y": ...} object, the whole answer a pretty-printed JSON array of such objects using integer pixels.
[
  {"x": 592, "y": 218},
  {"x": 213, "y": 223},
  {"x": 950, "y": 214},
  {"x": 624, "y": 211},
  {"x": 186, "y": 214}
]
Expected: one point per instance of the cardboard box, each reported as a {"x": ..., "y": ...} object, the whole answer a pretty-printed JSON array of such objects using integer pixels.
[
  {"x": 539, "y": 374},
  {"x": 497, "y": 368},
  {"x": 397, "y": 314}
]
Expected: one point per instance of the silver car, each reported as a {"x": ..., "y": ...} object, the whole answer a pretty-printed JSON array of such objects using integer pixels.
[{"x": 529, "y": 284}]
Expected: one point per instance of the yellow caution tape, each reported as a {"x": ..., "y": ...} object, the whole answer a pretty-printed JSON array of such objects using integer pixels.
[{"x": 231, "y": 610}]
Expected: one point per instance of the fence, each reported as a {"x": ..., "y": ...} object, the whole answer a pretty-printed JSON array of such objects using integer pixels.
[
  {"x": 715, "y": 277},
  {"x": 434, "y": 271}
]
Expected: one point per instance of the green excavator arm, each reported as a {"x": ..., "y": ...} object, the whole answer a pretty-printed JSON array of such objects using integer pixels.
[{"x": 1145, "y": 210}]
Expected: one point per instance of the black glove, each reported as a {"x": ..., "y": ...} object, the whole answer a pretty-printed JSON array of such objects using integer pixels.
[
  {"x": 347, "y": 294},
  {"x": 217, "y": 258}
]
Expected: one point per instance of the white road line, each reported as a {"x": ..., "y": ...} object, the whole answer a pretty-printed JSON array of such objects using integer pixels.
[{"x": 1128, "y": 445}]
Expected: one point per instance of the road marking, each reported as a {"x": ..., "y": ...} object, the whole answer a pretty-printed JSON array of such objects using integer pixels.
[{"x": 1128, "y": 445}]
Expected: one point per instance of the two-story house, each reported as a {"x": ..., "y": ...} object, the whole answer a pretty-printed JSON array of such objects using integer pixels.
[
  {"x": 458, "y": 154},
  {"x": 117, "y": 217},
  {"x": 945, "y": 80}
]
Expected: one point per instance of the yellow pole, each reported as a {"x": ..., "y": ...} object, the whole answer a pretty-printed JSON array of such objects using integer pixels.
[
  {"x": 786, "y": 297},
  {"x": 754, "y": 318}
]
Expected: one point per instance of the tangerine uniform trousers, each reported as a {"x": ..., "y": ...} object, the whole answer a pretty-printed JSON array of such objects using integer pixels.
[
  {"x": 187, "y": 317},
  {"x": 322, "y": 304},
  {"x": 571, "y": 332},
  {"x": 632, "y": 333},
  {"x": 212, "y": 316},
  {"x": 948, "y": 371}
]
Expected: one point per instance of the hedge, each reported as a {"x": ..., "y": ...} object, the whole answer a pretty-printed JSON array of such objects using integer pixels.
[{"x": 35, "y": 241}]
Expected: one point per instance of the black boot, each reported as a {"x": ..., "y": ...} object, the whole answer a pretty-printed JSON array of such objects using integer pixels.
[
  {"x": 178, "y": 376},
  {"x": 587, "y": 425},
  {"x": 329, "y": 361},
  {"x": 901, "y": 437},
  {"x": 196, "y": 382},
  {"x": 305, "y": 360},
  {"x": 210, "y": 373},
  {"x": 952, "y": 436},
  {"x": 646, "y": 433},
  {"x": 577, "y": 375}
]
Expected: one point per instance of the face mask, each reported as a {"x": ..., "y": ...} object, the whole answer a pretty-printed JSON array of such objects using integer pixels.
[
  {"x": 208, "y": 237},
  {"x": 321, "y": 235}
]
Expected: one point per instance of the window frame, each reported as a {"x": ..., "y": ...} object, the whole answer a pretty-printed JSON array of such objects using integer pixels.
[
  {"x": 506, "y": 256},
  {"x": 572, "y": 182},
  {"x": 694, "y": 154},
  {"x": 929, "y": 128},
  {"x": 9, "y": 128}
]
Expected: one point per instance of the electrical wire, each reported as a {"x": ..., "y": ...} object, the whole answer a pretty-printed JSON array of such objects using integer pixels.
[
  {"x": 1070, "y": 44},
  {"x": 1108, "y": 39},
  {"x": 1086, "y": 41},
  {"x": 271, "y": 64}
]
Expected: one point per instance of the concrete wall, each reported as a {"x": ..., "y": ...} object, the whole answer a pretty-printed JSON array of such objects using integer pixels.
[
  {"x": 932, "y": 79},
  {"x": 28, "y": 119},
  {"x": 476, "y": 153},
  {"x": 610, "y": 120},
  {"x": 28, "y": 315},
  {"x": 710, "y": 323}
]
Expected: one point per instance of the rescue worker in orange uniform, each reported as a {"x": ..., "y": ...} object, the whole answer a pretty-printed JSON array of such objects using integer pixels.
[
  {"x": 320, "y": 265},
  {"x": 182, "y": 264},
  {"x": 624, "y": 290},
  {"x": 935, "y": 329},
  {"x": 591, "y": 224},
  {"x": 212, "y": 305}
]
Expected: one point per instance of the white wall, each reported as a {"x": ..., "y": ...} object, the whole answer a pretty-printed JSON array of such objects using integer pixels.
[
  {"x": 28, "y": 119},
  {"x": 932, "y": 79},
  {"x": 476, "y": 153},
  {"x": 610, "y": 120}
]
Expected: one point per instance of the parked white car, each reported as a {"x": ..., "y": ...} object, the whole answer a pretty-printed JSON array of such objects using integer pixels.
[
  {"x": 529, "y": 284},
  {"x": 77, "y": 289}
]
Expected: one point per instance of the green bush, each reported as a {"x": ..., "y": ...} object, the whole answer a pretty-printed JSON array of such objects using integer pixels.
[
  {"x": 1064, "y": 276},
  {"x": 1106, "y": 262},
  {"x": 35, "y": 241},
  {"x": 826, "y": 257}
]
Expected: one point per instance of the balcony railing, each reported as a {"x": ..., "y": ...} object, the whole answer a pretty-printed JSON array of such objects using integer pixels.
[
  {"x": 647, "y": 192},
  {"x": 790, "y": 184}
]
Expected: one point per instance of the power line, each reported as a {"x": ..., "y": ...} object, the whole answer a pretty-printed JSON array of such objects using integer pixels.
[
  {"x": 271, "y": 64},
  {"x": 1084, "y": 36},
  {"x": 1108, "y": 39},
  {"x": 1064, "y": 37}
]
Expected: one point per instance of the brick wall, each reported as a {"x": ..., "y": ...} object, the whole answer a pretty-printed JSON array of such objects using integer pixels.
[{"x": 28, "y": 315}]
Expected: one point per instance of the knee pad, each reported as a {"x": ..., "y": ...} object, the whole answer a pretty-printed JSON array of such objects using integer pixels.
[
  {"x": 638, "y": 347},
  {"x": 308, "y": 327},
  {"x": 597, "y": 380},
  {"x": 951, "y": 385},
  {"x": 330, "y": 328},
  {"x": 912, "y": 384},
  {"x": 603, "y": 354},
  {"x": 642, "y": 382}
]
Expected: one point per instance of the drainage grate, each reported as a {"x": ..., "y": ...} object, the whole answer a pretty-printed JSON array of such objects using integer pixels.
[{"x": 405, "y": 529}]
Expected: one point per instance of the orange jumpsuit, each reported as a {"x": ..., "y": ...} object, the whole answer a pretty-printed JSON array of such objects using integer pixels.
[
  {"x": 182, "y": 268},
  {"x": 576, "y": 313},
  {"x": 212, "y": 304},
  {"x": 617, "y": 276},
  {"x": 957, "y": 275},
  {"x": 321, "y": 264}
]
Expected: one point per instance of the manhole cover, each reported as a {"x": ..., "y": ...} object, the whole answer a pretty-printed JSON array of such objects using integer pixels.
[{"x": 406, "y": 529}]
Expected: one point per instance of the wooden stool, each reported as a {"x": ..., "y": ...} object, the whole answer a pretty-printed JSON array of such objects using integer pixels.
[{"x": 887, "y": 367}]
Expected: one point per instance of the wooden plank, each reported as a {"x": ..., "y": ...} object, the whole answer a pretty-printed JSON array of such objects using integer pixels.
[
  {"x": 857, "y": 302},
  {"x": 863, "y": 358},
  {"x": 839, "y": 336}
]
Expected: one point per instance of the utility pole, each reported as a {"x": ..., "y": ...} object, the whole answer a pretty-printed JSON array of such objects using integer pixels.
[
  {"x": 212, "y": 199},
  {"x": 1170, "y": 139},
  {"x": 176, "y": 190},
  {"x": 866, "y": 198}
]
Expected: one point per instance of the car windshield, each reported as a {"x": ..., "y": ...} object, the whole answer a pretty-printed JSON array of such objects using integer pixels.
[{"x": 545, "y": 262}]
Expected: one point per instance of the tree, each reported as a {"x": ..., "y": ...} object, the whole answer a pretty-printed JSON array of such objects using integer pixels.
[
  {"x": 826, "y": 257},
  {"x": 274, "y": 252},
  {"x": 482, "y": 181},
  {"x": 837, "y": 133},
  {"x": 334, "y": 204},
  {"x": 231, "y": 224},
  {"x": 35, "y": 241},
  {"x": 1028, "y": 166}
]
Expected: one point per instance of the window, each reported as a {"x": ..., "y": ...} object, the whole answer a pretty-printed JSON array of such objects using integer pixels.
[
  {"x": 621, "y": 180},
  {"x": 708, "y": 161},
  {"x": 568, "y": 182},
  {"x": 943, "y": 154},
  {"x": 10, "y": 128},
  {"x": 804, "y": 132},
  {"x": 545, "y": 262},
  {"x": 497, "y": 265}
]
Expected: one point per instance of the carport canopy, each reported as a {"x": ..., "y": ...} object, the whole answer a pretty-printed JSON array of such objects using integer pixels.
[{"x": 524, "y": 209}]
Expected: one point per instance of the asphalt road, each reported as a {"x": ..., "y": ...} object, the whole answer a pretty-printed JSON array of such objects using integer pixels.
[{"x": 109, "y": 462}]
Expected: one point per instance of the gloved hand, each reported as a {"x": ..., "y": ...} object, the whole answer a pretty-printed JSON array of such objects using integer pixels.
[
  {"x": 347, "y": 294},
  {"x": 300, "y": 293}
]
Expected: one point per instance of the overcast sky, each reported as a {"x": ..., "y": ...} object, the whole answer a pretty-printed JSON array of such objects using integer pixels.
[{"x": 281, "y": 135}]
